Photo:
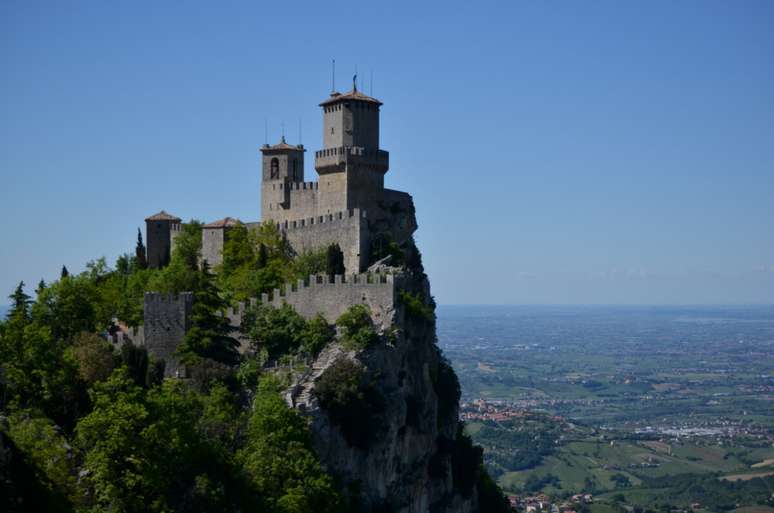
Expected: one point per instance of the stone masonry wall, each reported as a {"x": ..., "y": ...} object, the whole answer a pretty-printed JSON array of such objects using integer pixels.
[
  {"x": 349, "y": 229},
  {"x": 213, "y": 240},
  {"x": 320, "y": 295},
  {"x": 167, "y": 320}
]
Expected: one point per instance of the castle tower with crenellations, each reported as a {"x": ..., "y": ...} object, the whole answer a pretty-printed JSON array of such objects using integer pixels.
[
  {"x": 348, "y": 205},
  {"x": 351, "y": 166}
]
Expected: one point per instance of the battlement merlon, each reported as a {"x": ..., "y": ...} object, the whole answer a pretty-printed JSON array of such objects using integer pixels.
[{"x": 335, "y": 160}]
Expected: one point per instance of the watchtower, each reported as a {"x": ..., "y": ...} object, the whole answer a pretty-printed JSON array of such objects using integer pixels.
[
  {"x": 160, "y": 232},
  {"x": 351, "y": 163},
  {"x": 282, "y": 164}
]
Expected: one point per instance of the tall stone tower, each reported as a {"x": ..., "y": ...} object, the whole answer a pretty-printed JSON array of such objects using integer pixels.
[
  {"x": 282, "y": 165},
  {"x": 351, "y": 163},
  {"x": 160, "y": 232}
]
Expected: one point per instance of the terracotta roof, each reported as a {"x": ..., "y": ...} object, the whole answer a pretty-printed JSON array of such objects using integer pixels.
[
  {"x": 282, "y": 146},
  {"x": 163, "y": 216},
  {"x": 352, "y": 95},
  {"x": 226, "y": 222}
]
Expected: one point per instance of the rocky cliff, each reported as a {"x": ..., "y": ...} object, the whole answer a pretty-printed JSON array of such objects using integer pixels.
[{"x": 396, "y": 445}]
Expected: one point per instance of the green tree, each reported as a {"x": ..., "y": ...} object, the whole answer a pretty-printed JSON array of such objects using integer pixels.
[
  {"x": 310, "y": 262},
  {"x": 334, "y": 260},
  {"x": 119, "y": 456},
  {"x": 278, "y": 459},
  {"x": 209, "y": 336},
  {"x": 357, "y": 330},
  {"x": 36, "y": 372},
  {"x": 67, "y": 307},
  {"x": 93, "y": 356},
  {"x": 277, "y": 330},
  {"x": 352, "y": 401},
  {"x": 263, "y": 255},
  {"x": 239, "y": 250},
  {"x": 316, "y": 334},
  {"x": 188, "y": 245},
  {"x": 47, "y": 449},
  {"x": 135, "y": 359},
  {"x": 65, "y": 273},
  {"x": 20, "y": 305},
  {"x": 140, "y": 255}
]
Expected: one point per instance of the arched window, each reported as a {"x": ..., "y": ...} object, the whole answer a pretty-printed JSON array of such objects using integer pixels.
[{"x": 274, "y": 168}]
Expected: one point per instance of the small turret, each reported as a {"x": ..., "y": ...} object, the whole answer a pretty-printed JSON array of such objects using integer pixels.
[
  {"x": 160, "y": 232},
  {"x": 282, "y": 164}
]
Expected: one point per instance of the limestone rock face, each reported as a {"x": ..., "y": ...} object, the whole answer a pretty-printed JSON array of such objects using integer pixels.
[{"x": 407, "y": 465}]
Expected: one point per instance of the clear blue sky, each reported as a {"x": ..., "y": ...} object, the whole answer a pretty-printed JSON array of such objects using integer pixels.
[{"x": 558, "y": 152}]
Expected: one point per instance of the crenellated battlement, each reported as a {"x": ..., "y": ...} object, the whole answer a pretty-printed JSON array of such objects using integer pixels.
[
  {"x": 295, "y": 186},
  {"x": 345, "y": 215},
  {"x": 330, "y": 296},
  {"x": 160, "y": 297},
  {"x": 333, "y": 159}
]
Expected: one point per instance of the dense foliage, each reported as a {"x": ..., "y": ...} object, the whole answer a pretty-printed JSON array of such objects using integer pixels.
[
  {"x": 357, "y": 330},
  {"x": 353, "y": 402},
  {"x": 90, "y": 427}
]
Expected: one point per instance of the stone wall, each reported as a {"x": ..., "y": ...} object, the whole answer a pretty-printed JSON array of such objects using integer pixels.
[
  {"x": 167, "y": 320},
  {"x": 331, "y": 298},
  {"x": 159, "y": 241},
  {"x": 349, "y": 229},
  {"x": 213, "y": 240}
]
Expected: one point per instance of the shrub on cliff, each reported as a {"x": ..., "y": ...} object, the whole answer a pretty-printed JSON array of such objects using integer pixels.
[
  {"x": 278, "y": 330},
  {"x": 352, "y": 401},
  {"x": 357, "y": 330},
  {"x": 278, "y": 460},
  {"x": 415, "y": 308},
  {"x": 447, "y": 388},
  {"x": 316, "y": 335}
]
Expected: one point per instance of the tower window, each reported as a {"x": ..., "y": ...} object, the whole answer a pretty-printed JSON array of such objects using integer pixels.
[
  {"x": 274, "y": 168},
  {"x": 295, "y": 170}
]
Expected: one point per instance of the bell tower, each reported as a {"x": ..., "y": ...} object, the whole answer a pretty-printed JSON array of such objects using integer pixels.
[{"x": 282, "y": 164}]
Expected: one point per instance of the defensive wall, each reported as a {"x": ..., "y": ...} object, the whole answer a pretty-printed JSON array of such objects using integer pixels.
[
  {"x": 329, "y": 296},
  {"x": 167, "y": 320},
  {"x": 168, "y": 317},
  {"x": 348, "y": 229}
]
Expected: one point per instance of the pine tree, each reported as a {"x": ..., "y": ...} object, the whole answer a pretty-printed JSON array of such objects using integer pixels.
[
  {"x": 65, "y": 272},
  {"x": 140, "y": 254},
  {"x": 41, "y": 287},
  {"x": 209, "y": 336},
  {"x": 20, "y": 304},
  {"x": 263, "y": 256},
  {"x": 334, "y": 260}
]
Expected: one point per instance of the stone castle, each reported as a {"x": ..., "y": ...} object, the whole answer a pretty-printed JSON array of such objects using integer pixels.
[
  {"x": 347, "y": 205},
  {"x": 411, "y": 463}
]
